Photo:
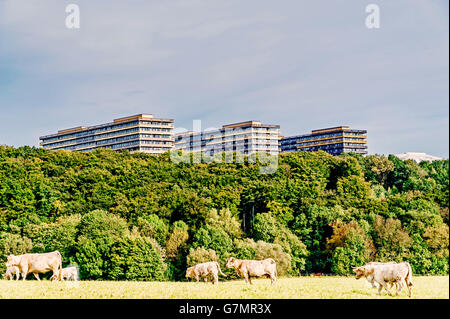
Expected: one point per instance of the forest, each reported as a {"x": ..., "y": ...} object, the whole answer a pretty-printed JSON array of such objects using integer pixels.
[{"x": 122, "y": 216}]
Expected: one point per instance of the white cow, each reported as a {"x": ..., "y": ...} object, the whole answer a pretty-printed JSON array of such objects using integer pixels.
[
  {"x": 204, "y": 270},
  {"x": 68, "y": 273},
  {"x": 388, "y": 273},
  {"x": 11, "y": 272},
  {"x": 37, "y": 263},
  {"x": 254, "y": 268}
]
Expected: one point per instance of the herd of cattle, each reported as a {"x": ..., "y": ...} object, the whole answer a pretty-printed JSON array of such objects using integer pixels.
[
  {"x": 39, "y": 264},
  {"x": 381, "y": 274}
]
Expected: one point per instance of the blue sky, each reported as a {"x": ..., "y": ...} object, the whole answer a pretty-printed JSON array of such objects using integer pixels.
[{"x": 301, "y": 64}]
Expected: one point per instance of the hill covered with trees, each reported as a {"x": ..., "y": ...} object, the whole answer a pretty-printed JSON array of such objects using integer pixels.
[{"x": 121, "y": 216}]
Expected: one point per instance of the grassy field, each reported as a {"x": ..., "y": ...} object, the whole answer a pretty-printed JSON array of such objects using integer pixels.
[{"x": 286, "y": 288}]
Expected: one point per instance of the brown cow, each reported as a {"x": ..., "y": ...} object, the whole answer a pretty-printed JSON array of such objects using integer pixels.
[
  {"x": 382, "y": 274},
  {"x": 204, "y": 270},
  {"x": 254, "y": 268},
  {"x": 37, "y": 263}
]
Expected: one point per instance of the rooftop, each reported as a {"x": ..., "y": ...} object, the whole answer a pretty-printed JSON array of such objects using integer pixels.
[{"x": 418, "y": 157}]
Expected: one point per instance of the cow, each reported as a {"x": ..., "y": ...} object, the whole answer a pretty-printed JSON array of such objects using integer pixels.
[
  {"x": 204, "y": 270},
  {"x": 254, "y": 268},
  {"x": 68, "y": 273},
  {"x": 10, "y": 272},
  {"x": 387, "y": 273},
  {"x": 37, "y": 263},
  {"x": 371, "y": 279}
]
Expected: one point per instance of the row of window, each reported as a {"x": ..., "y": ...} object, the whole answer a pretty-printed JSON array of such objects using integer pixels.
[
  {"x": 149, "y": 148},
  {"x": 156, "y": 135},
  {"x": 90, "y": 131},
  {"x": 155, "y": 129},
  {"x": 355, "y": 144},
  {"x": 308, "y": 137},
  {"x": 227, "y": 140},
  {"x": 221, "y": 134},
  {"x": 156, "y": 142},
  {"x": 93, "y": 138},
  {"x": 101, "y": 143},
  {"x": 337, "y": 140},
  {"x": 154, "y": 123},
  {"x": 109, "y": 128}
]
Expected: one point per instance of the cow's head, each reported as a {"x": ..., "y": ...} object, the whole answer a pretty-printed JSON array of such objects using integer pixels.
[
  {"x": 190, "y": 272},
  {"x": 231, "y": 262},
  {"x": 12, "y": 261},
  {"x": 362, "y": 271}
]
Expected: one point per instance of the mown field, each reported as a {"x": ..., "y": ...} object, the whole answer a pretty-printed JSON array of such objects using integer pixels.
[{"x": 287, "y": 288}]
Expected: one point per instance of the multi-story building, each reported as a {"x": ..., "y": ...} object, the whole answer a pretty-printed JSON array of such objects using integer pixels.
[
  {"x": 334, "y": 140},
  {"x": 137, "y": 133},
  {"x": 245, "y": 137}
]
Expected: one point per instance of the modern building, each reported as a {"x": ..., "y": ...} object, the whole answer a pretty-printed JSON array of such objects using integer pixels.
[
  {"x": 333, "y": 140},
  {"x": 418, "y": 157},
  {"x": 137, "y": 133},
  {"x": 245, "y": 137}
]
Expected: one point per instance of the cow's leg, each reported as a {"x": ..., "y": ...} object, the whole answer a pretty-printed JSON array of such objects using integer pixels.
[
  {"x": 273, "y": 279},
  {"x": 17, "y": 275},
  {"x": 37, "y": 276},
  {"x": 409, "y": 285},
  {"x": 215, "y": 279},
  {"x": 246, "y": 277},
  {"x": 399, "y": 286},
  {"x": 24, "y": 273},
  {"x": 384, "y": 285},
  {"x": 379, "y": 289}
]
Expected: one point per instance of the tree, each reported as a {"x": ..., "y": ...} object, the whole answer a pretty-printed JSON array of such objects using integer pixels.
[
  {"x": 349, "y": 246},
  {"x": 200, "y": 255},
  {"x": 154, "y": 227},
  {"x": 177, "y": 239},
  {"x": 13, "y": 244},
  {"x": 267, "y": 228},
  {"x": 136, "y": 258},
  {"x": 391, "y": 240}
]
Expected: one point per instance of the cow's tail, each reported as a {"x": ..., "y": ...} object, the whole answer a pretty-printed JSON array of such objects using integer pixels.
[
  {"x": 220, "y": 271},
  {"x": 409, "y": 275},
  {"x": 60, "y": 265}
]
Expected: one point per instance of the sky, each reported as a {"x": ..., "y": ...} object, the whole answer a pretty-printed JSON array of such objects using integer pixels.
[{"x": 303, "y": 65}]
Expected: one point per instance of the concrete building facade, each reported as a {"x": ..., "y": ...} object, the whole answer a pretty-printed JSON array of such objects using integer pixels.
[
  {"x": 137, "y": 133},
  {"x": 333, "y": 140},
  {"x": 244, "y": 137}
]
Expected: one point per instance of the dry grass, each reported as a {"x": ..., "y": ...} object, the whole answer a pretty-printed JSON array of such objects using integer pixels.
[{"x": 286, "y": 288}]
